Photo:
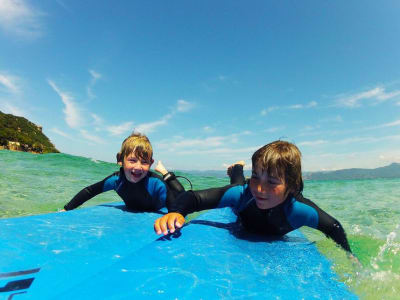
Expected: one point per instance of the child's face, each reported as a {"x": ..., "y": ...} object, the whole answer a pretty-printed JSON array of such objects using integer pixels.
[
  {"x": 135, "y": 169},
  {"x": 268, "y": 190}
]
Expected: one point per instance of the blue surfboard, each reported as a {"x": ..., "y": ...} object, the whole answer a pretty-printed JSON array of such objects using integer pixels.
[
  {"x": 46, "y": 254},
  {"x": 109, "y": 253}
]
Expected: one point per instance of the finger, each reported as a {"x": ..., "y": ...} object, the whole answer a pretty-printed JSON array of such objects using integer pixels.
[
  {"x": 157, "y": 226},
  {"x": 171, "y": 224},
  {"x": 163, "y": 225},
  {"x": 180, "y": 220}
]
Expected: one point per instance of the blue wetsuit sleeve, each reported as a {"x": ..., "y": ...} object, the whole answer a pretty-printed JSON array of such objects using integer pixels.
[
  {"x": 191, "y": 201},
  {"x": 158, "y": 190},
  {"x": 304, "y": 212},
  {"x": 89, "y": 192}
]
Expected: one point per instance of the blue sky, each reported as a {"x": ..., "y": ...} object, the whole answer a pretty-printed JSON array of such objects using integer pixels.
[{"x": 208, "y": 81}]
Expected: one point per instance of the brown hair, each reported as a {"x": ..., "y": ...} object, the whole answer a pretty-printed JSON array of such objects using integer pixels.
[
  {"x": 282, "y": 159},
  {"x": 138, "y": 144}
]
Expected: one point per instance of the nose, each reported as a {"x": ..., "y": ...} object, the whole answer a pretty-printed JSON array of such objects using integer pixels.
[
  {"x": 261, "y": 188},
  {"x": 138, "y": 165}
]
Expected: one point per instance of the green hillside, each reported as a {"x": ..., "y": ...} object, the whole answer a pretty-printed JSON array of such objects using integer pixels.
[
  {"x": 390, "y": 171},
  {"x": 17, "y": 133}
]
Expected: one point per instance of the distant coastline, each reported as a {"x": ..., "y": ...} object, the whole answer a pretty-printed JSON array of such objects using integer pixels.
[
  {"x": 390, "y": 171},
  {"x": 19, "y": 134}
]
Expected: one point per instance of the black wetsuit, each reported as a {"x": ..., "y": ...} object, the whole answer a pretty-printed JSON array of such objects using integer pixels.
[
  {"x": 149, "y": 194},
  {"x": 295, "y": 212}
]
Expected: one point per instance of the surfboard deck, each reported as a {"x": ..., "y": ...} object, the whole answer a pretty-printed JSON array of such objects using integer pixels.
[
  {"x": 58, "y": 250},
  {"x": 113, "y": 254}
]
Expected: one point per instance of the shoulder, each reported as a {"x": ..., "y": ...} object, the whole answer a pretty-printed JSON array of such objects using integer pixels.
[
  {"x": 236, "y": 196},
  {"x": 300, "y": 211},
  {"x": 111, "y": 180},
  {"x": 153, "y": 180}
]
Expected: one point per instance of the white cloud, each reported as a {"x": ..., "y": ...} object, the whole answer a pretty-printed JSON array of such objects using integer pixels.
[
  {"x": 352, "y": 140},
  {"x": 120, "y": 129},
  {"x": 391, "y": 124},
  {"x": 312, "y": 143},
  {"x": 184, "y": 106},
  {"x": 336, "y": 119},
  {"x": 97, "y": 120},
  {"x": 376, "y": 95},
  {"x": 72, "y": 111},
  {"x": 91, "y": 138},
  {"x": 59, "y": 132},
  {"x": 20, "y": 19},
  {"x": 208, "y": 129},
  {"x": 224, "y": 151},
  {"x": 204, "y": 145},
  {"x": 296, "y": 106},
  {"x": 274, "y": 129},
  {"x": 222, "y": 77},
  {"x": 181, "y": 106},
  {"x": 9, "y": 82},
  {"x": 312, "y": 104},
  {"x": 389, "y": 157},
  {"x": 95, "y": 77},
  {"x": 151, "y": 126},
  {"x": 301, "y": 106},
  {"x": 268, "y": 110}
]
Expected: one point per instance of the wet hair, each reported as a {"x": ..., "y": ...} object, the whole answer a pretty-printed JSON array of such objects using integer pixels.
[
  {"x": 138, "y": 144},
  {"x": 282, "y": 159}
]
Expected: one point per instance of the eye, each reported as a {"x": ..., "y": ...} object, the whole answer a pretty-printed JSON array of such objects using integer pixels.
[{"x": 274, "y": 180}]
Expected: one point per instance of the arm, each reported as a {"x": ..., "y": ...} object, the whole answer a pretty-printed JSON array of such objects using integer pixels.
[
  {"x": 84, "y": 195},
  {"x": 173, "y": 183},
  {"x": 192, "y": 201},
  {"x": 89, "y": 192},
  {"x": 328, "y": 225},
  {"x": 174, "y": 188}
]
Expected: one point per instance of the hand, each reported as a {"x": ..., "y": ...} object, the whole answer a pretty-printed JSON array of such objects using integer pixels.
[
  {"x": 61, "y": 210},
  {"x": 354, "y": 260},
  {"x": 172, "y": 220}
]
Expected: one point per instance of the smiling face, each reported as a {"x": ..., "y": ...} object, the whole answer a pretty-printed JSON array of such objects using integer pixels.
[
  {"x": 136, "y": 168},
  {"x": 268, "y": 189}
]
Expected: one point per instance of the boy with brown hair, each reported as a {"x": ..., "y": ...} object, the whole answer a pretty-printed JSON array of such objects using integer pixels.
[
  {"x": 271, "y": 202},
  {"x": 140, "y": 188}
]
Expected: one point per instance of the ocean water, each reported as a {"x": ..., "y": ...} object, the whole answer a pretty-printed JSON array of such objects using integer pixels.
[{"x": 369, "y": 210}]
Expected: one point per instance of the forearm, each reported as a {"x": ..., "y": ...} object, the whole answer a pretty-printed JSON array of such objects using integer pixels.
[
  {"x": 173, "y": 183},
  {"x": 192, "y": 201},
  {"x": 327, "y": 224},
  {"x": 334, "y": 230},
  {"x": 84, "y": 195}
]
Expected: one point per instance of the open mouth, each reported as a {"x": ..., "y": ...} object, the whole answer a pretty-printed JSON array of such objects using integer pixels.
[
  {"x": 261, "y": 199},
  {"x": 136, "y": 175}
]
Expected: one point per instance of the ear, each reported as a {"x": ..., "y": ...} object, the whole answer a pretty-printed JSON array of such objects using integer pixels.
[{"x": 151, "y": 162}]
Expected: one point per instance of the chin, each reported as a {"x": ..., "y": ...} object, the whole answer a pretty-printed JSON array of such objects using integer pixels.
[{"x": 262, "y": 205}]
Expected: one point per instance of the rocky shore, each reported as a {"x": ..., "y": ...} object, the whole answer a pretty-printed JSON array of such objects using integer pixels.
[{"x": 19, "y": 134}]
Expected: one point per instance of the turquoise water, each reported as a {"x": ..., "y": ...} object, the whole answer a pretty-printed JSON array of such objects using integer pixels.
[{"x": 369, "y": 210}]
